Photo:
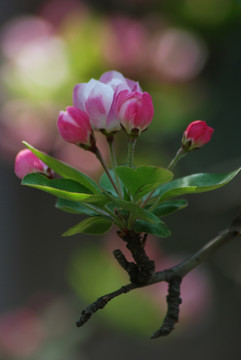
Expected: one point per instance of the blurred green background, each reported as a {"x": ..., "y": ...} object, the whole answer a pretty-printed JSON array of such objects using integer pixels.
[{"x": 187, "y": 54}]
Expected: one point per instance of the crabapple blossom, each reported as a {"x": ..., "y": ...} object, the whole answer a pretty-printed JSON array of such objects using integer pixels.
[
  {"x": 197, "y": 134},
  {"x": 134, "y": 110},
  {"x": 97, "y": 98},
  {"x": 26, "y": 162},
  {"x": 74, "y": 126}
]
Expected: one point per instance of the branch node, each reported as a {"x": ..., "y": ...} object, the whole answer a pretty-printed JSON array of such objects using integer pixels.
[
  {"x": 130, "y": 267},
  {"x": 143, "y": 269}
]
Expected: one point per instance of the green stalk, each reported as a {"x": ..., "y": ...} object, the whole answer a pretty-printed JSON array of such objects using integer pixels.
[
  {"x": 131, "y": 147},
  {"x": 97, "y": 153},
  {"x": 110, "y": 141},
  {"x": 118, "y": 221},
  {"x": 98, "y": 211},
  {"x": 181, "y": 152},
  {"x": 130, "y": 221},
  {"x": 154, "y": 205}
]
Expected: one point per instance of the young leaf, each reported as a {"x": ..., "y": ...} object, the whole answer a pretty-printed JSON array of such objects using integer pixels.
[
  {"x": 74, "y": 207},
  {"x": 195, "y": 184},
  {"x": 143, "y": 179},
  {"x": 93, "y": 225},
  {"x": 65, "y": 170},
  {"x": 168, "y": 207},
  {"x": 159, "y": 229},
  {"x": 136, "y": 210},
  {"x": 63, "y": 188},
  {"x": 106, "y": 184}
]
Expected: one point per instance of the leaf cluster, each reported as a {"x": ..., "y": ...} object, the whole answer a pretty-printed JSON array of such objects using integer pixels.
[{"x": 147, "y": 194}]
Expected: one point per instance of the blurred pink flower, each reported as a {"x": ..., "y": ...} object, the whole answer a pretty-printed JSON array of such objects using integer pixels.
[
  {"x": 21, "y": 120},
  {"x": 56, "y": 11},
  {"x": 125, "y": 44},
  {"x": 177, "y": 55},
  {"x": 21, "y": 332},
  {"x": 21, "y": 31}
]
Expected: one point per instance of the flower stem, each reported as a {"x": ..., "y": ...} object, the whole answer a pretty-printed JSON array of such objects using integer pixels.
[
  {"x": 97, "y": 153},
  {"x": 131, "y": 147},
  {"x": 181, "y": 152},
  {"x": 110, "y": 140}
]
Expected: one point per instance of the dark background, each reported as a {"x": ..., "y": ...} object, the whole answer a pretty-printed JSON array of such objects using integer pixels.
[{"x": 34, "y": 258}]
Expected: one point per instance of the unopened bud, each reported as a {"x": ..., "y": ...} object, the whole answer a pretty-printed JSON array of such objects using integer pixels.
[
  {"x": 134, "y": 110},
  {"x": 197, "y": 134},
  {"x": 74, "y": 126},
  {"x": 26, "y": 162}
]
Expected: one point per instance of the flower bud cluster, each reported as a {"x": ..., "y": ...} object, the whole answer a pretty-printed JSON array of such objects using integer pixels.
[{"x": 107, "y": 105}]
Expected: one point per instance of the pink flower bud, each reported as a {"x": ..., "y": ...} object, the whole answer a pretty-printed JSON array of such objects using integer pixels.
[
  {"x": 196, "y": 135},
  {"x": 134, "y": 110},
  {"x": 97, "y": 98},
  {"x": 26, "y": 162},
  {"x": 116, "y": 79},
  {"x": 74, "y": 126}
]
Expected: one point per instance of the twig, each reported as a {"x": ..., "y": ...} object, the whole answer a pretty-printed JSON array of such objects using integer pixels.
[
  {"x": 130, "y": 267},
  {"x": 100, "y": 303},
  {"x": 173, "y": 304},
  {"x": 169, "y": 275}
]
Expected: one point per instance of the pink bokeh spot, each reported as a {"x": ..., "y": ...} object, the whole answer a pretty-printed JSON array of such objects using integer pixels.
[
  {"x": 21, "y": 332},
  {"x": 177, "y": 55},
  {"x": 22, "y": 31},
  {"x": 125, "y": 44},
  {"x": 56, "y": 11}
]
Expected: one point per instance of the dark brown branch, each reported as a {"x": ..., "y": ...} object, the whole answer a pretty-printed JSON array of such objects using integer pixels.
[
  {"x": 100, "y": 303},
  {"x": 173, "y": 304},
  {"x": 144, "y": 266},
  {"x": 168, "y": 275},
  {"x": 130, "y": 267}
]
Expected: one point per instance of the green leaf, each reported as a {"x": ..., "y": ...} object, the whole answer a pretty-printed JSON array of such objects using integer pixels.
[
  {"x": 74, "y": 207},
  {"x": 63, "y": 188},
  {"x": 65, "y": 170},
  {"x": 168, "y": 207},
  {"x": 143, "y": 179},
  {"x": 159, "y": 229},
  {"x": 106, "y": 184},
  {"x": 136, "y": 210},
  {"x": 93, "y": 226},
  {"x": 195, "y": 184}
]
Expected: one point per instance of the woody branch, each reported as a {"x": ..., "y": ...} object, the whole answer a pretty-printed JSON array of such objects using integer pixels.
[{"x": 172, "y": 275}]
